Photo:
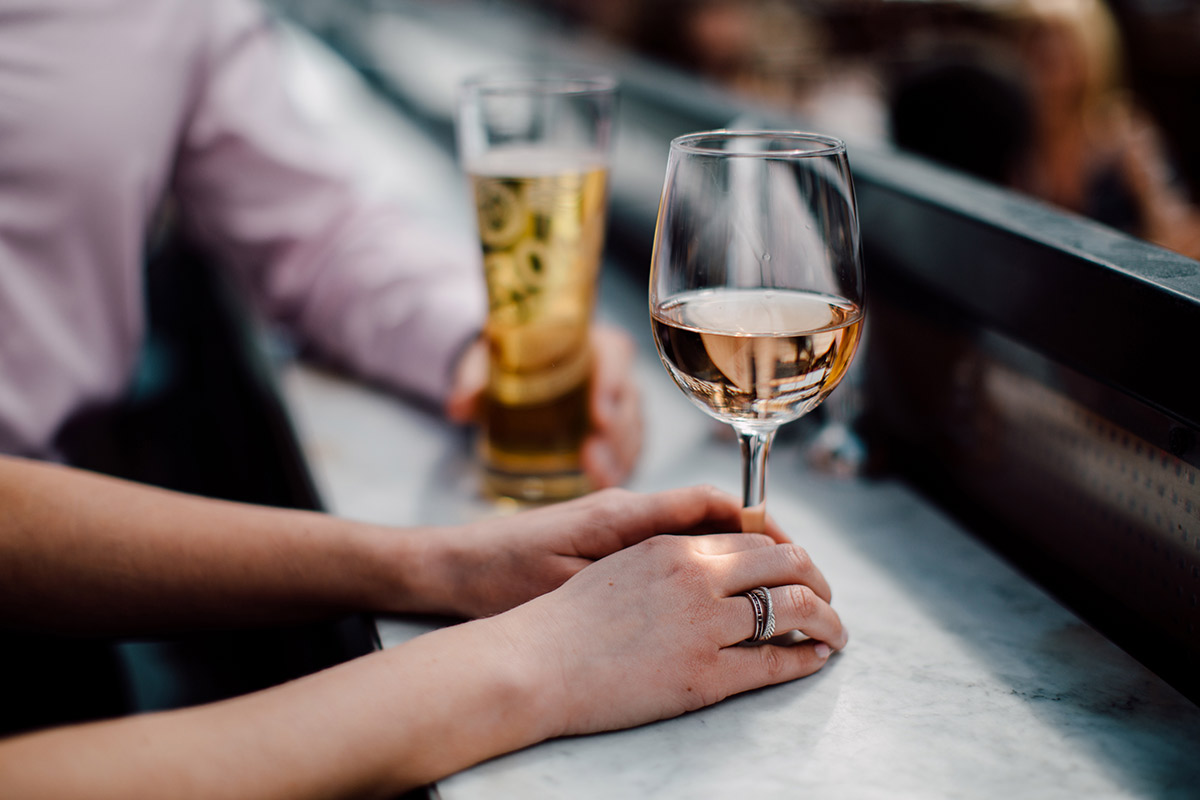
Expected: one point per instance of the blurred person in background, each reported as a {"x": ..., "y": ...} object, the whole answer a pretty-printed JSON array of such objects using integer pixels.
[
  {"x": 1095, "y": 151},
  {"x": 1030, "y": 94},
  {"x": 768, "y": 50},
  {"x": 964, "y": 107},
  {"x": 1038, "y": 102},
  {"x": 111, "y": 113}
]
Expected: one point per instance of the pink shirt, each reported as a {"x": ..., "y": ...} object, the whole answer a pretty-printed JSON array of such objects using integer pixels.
[{"x": 107, "y": 106}]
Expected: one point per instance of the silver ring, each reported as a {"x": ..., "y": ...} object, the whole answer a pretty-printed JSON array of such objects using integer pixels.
[
  {"x": 769, "y": 628},
  {"x": 764, "y": 613},
  {"x": 760, "y": 617}
]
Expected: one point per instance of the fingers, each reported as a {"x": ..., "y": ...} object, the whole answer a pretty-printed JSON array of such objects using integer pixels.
[
  {"x": 613, "y": 354},
  {"x": 797, "y": 608},
  {"x": 601, "y": 523},
  {"x": 771, "y": 528},
  {"x": 747, "y": 668},
  {"x": 615, "y": 518},
  {"x": 710, "y": 510},
  {"x": 756, "y": 520},
  {"x": 800, "y": 595},
  {"x": 611, "y": 450},
  {"x": 470, "y": 378},
  {"x": 717, "y": 544},
  {"x": 692, "y": 510},
  {"x": 775, "y": 566}
]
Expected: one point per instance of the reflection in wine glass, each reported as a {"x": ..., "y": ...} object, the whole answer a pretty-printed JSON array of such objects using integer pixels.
[{"x": 756, "y": 284}]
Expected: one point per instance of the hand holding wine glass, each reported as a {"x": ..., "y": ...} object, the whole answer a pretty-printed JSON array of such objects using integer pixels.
[{"x": 756, "y": 283}]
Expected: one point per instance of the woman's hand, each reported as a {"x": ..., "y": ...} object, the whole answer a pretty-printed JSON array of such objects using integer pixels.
[
  {"x": 614, "y": 441},
  {"x": 654, "y": 630},
  {"x": 490, "y": 566}
]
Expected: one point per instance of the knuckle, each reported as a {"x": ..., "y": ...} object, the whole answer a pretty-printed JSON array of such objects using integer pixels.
[
  {"x": 656, "y": 545},
  {"x": 713, "y": 497},
  {"x": 613, "y": 503},
  {"x": 682, "y": 565},
  {"x": 760, "y": 539},
  {"x": 608, "y": 509},
  {"x": 798, "y": 559},
  {"x": 773, "y": 663},
  {"x": 803, "y": 599},
  {"x": 673, "y": 553},
  {"x": 687, "y": 570},
  {"x": 614, "y": 496}
]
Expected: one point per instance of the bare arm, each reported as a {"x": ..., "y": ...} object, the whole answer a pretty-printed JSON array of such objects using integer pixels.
[
  {"x": 375, "y": 286},
  {"x": 83, "y": 553},
  {"x": 367, "y": 728},
  {"x": 644, "y": 634}
]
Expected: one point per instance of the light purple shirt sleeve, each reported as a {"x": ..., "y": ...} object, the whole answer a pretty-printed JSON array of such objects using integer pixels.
[
  {"x": 377, "y": 288},
  {"x": 108, "y": 106}
]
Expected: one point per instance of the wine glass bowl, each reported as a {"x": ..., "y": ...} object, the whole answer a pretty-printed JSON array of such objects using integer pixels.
[{"x": 756, "y": 282}]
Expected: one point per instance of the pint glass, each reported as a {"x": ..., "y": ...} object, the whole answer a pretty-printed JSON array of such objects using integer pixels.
[{"x": 536, "y": 150}]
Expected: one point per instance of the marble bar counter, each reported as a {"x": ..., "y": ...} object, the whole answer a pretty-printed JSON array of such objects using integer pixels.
[{"x": 961, "y": 679}]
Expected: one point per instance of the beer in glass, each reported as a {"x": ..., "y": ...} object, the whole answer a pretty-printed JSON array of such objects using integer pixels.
[{"x": 536, "y": 150}]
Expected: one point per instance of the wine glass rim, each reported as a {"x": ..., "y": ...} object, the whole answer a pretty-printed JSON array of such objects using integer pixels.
[
  {"x": 827, "y": 145},
  {"x": 549, "y": 81}
]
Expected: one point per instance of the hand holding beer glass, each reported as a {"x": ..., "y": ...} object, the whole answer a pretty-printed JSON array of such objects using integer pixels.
[
  {"x": 536, "y": 149},
  {"x": 756, "y": 283}
]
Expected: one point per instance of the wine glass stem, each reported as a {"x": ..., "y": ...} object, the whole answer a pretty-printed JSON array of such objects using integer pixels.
[{"x": 755, "y": 444}]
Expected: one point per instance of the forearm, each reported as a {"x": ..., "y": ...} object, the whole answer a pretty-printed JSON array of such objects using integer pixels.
[
  {"x": 83, "y": 552},
  {"x": 369, "y": 283},
  {"x": 371, "y": 727}
]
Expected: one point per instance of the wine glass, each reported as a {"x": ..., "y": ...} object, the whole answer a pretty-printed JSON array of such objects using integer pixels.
[{"x": 756, "y": 282}]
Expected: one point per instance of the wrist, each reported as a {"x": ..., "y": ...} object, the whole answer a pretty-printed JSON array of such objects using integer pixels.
[
  {"x": 413, "y": 570},
  {"x": 534, "y": 692},
  {"x": 468, "y": 693}
]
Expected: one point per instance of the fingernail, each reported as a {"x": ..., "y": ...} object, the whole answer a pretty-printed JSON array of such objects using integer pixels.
[{"x": 822, "y": 650}]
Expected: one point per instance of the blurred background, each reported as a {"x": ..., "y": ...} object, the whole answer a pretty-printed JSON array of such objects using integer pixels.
[
  {"x": 1089, "y": 105},
  {"x": 1086, "y": 104}
]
